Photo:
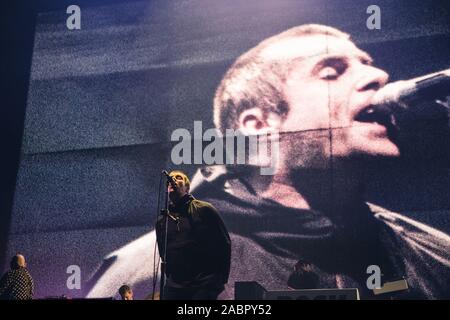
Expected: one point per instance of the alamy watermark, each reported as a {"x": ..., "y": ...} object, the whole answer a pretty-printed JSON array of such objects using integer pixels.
[
  {"x": 374, "y": 20},
  {"x": 73, "y": 21},
  {"x": 374, "y": 280},
  {"x": 74, "y": 280},
  {"x": 211, "y": 147}
]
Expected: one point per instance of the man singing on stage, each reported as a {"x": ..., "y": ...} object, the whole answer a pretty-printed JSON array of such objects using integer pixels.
[
  {"x": 197, "y": 259},
  {"x": 316, "y": 88}
]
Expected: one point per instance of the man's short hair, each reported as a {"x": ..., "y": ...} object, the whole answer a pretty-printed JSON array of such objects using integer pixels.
[
  {"x": 253, "y": 81},
  {"x": 124, "y": 289},
  {"x": 186, "y": 180},
  {"x": 14, "y": 264}
]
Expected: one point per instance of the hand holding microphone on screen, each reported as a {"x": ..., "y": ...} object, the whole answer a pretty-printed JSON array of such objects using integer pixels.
[{"x": 170, "y": 180}]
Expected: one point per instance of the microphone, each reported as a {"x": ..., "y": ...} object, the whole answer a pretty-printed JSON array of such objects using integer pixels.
[
  {"x": 170, "y": 180},
  {"x": 419, "y": 110},
  {"x": 407, "y": 93}
]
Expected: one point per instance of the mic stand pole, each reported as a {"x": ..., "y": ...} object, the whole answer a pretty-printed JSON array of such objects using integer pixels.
[{"x": 165, "y": 213}]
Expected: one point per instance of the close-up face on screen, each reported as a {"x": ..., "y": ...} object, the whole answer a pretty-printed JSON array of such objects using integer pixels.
[{"x": 231, "y": 150}]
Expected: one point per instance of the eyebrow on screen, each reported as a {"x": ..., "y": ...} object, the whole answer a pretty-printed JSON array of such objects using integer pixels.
[{"x": 332, "y": 60}]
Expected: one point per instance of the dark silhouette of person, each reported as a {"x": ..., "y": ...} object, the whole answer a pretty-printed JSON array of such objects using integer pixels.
[{"x": 17, "y": 283}]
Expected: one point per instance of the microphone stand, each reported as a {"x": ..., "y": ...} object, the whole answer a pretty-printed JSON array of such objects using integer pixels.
[{"x": 165, "y": 213}]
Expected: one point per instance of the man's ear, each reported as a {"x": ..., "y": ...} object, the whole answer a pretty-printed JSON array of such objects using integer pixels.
[{"x": 253, "y": 122}]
